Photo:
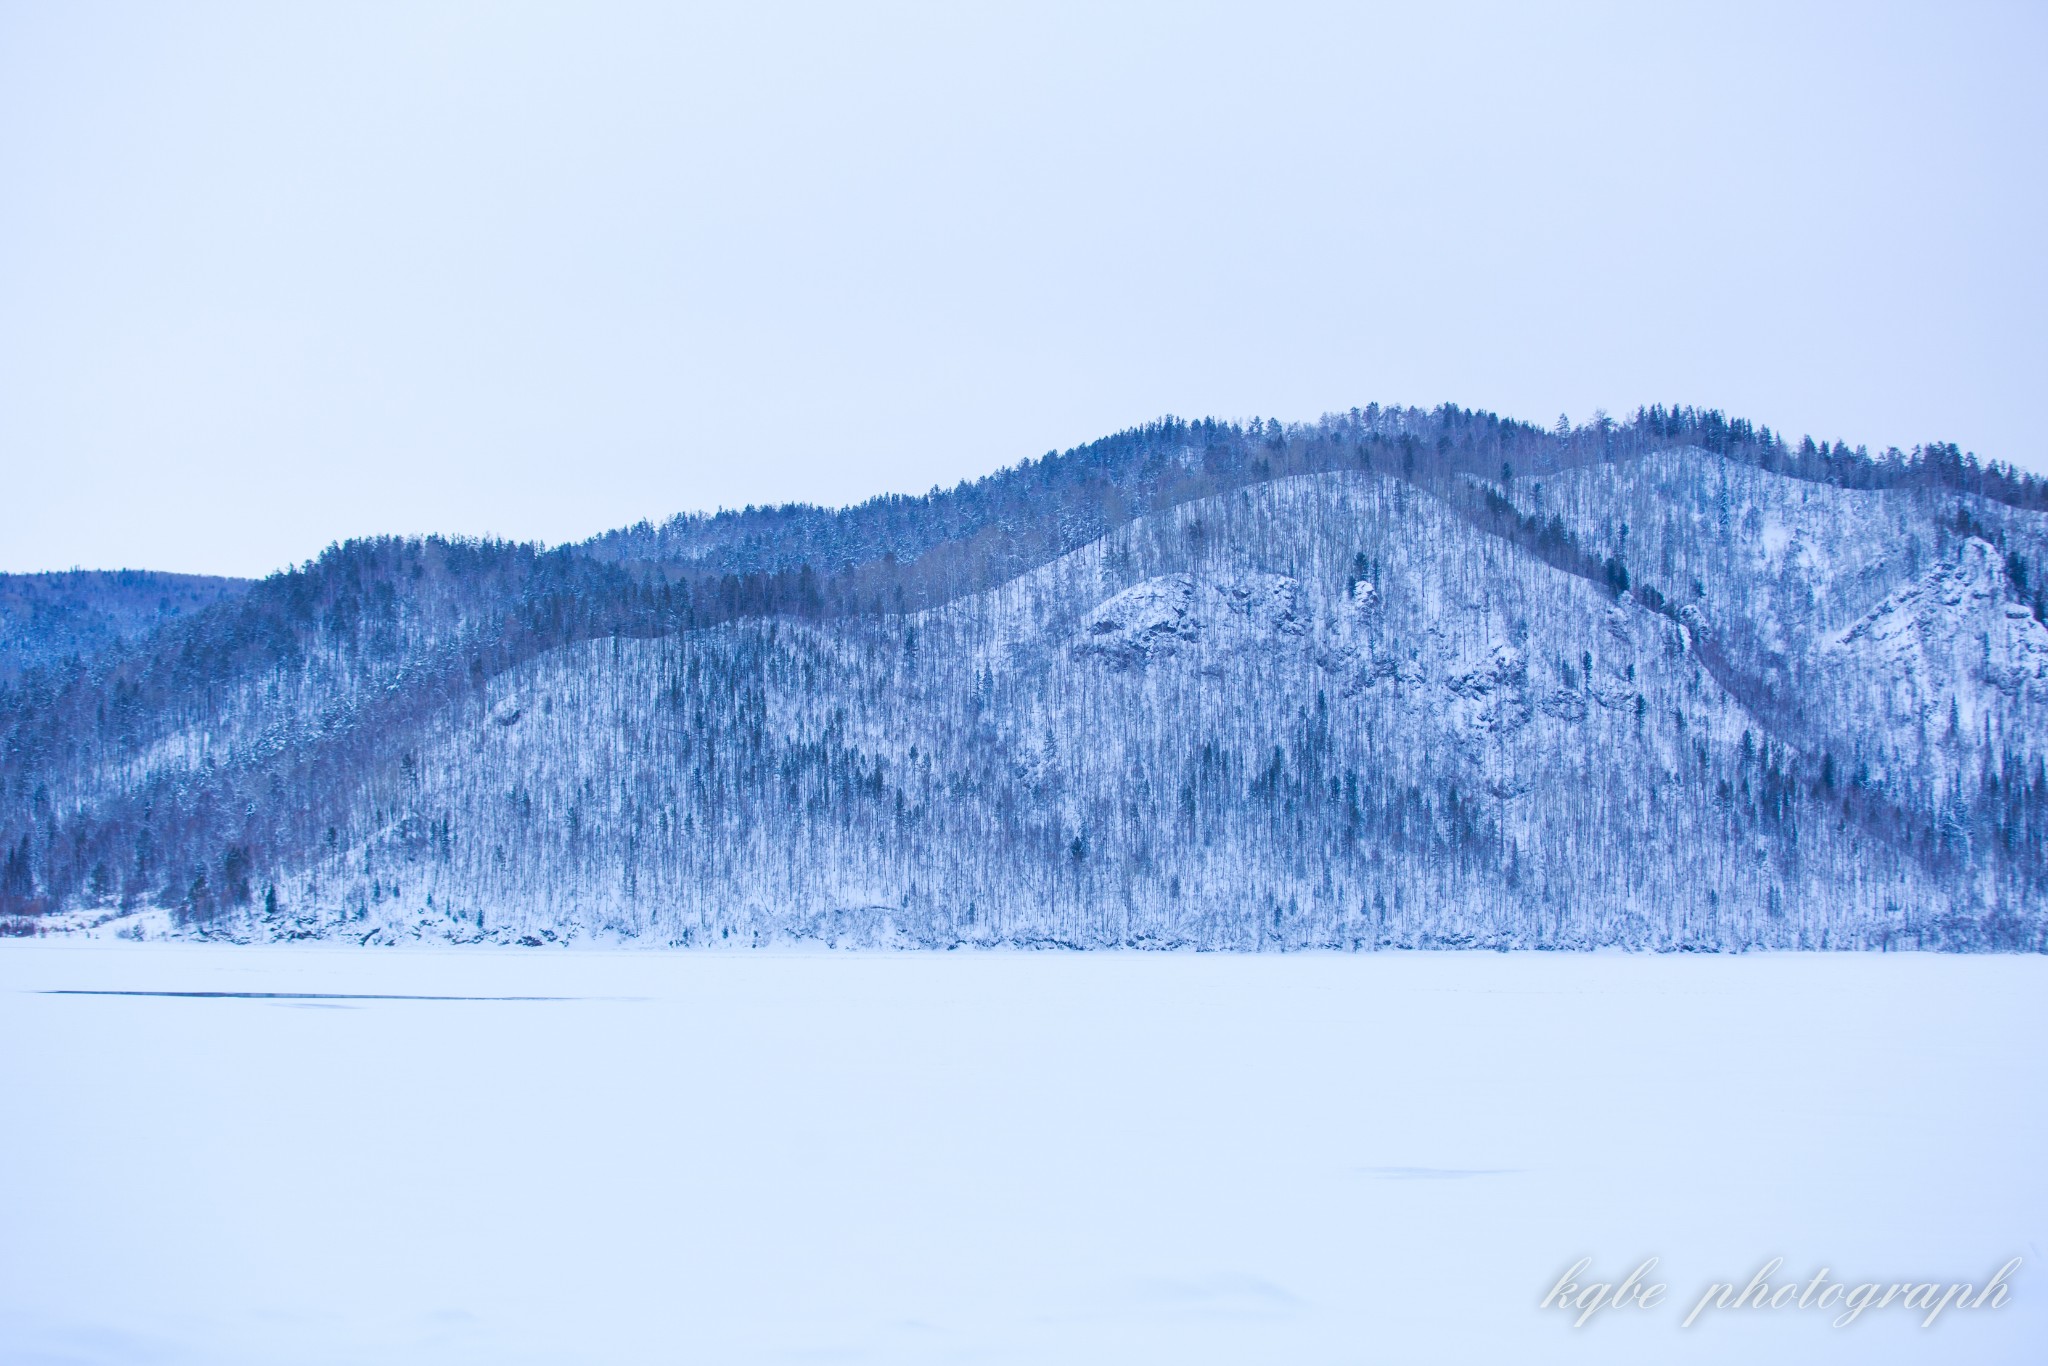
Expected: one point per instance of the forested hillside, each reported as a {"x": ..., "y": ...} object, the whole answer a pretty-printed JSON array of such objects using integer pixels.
[
  {"x": 52, "y": 620},
  {"x": 1393, "y": 678}
]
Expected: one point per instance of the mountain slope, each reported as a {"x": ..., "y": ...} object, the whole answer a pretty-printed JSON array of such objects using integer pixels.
[
  {"x": 1324, "y": 711},
  {"x": 1394, "y": 679},
  {"x": 1888, "y": 636}
]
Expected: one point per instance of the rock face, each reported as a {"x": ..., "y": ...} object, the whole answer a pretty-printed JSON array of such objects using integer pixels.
[
  {"x": 1151, "y": 620},
  {"x": 1176, "y": 613},
  {"x": 1955, "y": 634},
  {"x": 1330, "y": 710}
]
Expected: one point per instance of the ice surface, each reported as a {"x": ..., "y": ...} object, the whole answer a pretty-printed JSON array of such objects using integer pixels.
[{"x": 1000, "y": 1157}]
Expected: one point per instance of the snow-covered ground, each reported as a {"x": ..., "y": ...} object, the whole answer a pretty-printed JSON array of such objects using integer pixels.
[{"x": 1003, "y": 1157}]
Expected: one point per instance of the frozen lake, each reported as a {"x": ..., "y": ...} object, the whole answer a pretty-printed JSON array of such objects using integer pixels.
[{"x": 742, "y": 1157}]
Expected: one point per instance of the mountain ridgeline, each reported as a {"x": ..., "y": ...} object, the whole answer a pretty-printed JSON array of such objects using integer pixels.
[{"x": 1397, "y": 678}]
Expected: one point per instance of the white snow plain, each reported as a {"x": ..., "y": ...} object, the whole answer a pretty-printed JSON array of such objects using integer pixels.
[{"x": 1004, "y": 1157}]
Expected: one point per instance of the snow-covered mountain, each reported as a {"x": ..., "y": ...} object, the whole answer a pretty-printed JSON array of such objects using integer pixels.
[{"x": 1353, "y": 685}]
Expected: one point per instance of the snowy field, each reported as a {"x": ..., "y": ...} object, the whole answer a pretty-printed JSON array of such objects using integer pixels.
[{"x": 1001, "y": 1157}]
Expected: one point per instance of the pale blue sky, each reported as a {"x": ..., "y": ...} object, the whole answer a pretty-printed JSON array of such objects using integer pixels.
[{"x": 277, "y": 274}]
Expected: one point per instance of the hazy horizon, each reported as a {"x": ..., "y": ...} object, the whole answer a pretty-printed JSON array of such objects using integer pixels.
[
  {"x": 275, "y": 279},
  {"x": 657, "y": 519}
]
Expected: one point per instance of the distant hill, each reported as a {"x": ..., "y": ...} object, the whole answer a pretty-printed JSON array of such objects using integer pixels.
[
  {"x": 1395, "y": 678},
  {"x": 46, "y": 619}
]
